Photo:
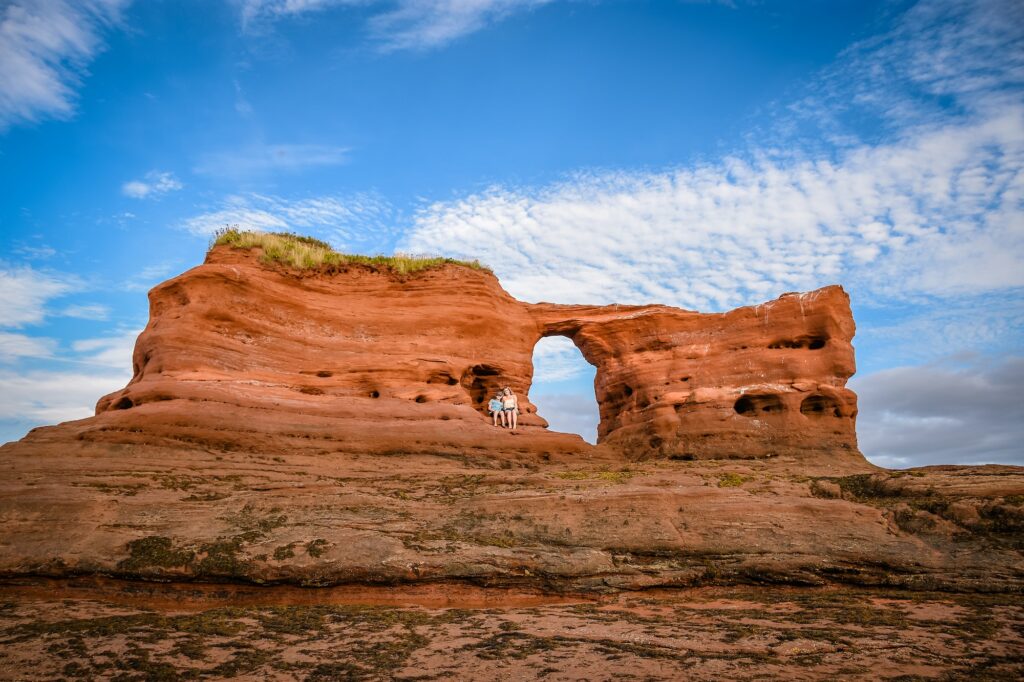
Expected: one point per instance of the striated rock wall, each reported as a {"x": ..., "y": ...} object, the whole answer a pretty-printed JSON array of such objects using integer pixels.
[{"x": 759, "y": 381}]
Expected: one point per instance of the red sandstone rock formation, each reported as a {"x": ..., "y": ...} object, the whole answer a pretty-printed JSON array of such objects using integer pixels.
[
  {"x": 758, "y": 381},
  {"x": 766, "y": 380}
]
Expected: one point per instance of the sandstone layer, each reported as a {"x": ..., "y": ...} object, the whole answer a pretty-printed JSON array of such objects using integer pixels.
[{"x": 326, "y": 428}]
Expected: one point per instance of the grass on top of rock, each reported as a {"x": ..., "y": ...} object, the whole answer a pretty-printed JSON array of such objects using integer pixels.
[{"x": 305, "y": 253}]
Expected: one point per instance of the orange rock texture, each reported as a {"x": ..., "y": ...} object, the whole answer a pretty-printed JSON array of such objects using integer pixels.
[{"x": 760, "y": 381}]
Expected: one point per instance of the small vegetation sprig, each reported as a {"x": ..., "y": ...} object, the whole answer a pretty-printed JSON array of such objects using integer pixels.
[{"x": 306, "y": 253}]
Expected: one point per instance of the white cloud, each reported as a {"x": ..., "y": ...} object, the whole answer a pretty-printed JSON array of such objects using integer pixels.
[
  {"x": 38, "y": 397},
  {"x": 45, "y": 46},
  {"x": 31, "y": 398},
  {"x": 89, "y": 311},
  {"x": 939, "y": 211},
  {"x": 932, "y": 205},
  {"x": 944, "y": 412},
  {"x": 261, "y": 159},
  {"x": 400, "y": 24},
  {"x": 556, "y": 358},
  {"x": 47, "y": 397},
  {"x": 149, "y": 276},
  {"x": 14, "y": 346},
  {"x": 423, "y": 24},
  {"x": 155, "y": 184},
  {"x": 26, "y": 292},
  {"x": 359, "y": 222},
  {"x": 107, "y": 351}
]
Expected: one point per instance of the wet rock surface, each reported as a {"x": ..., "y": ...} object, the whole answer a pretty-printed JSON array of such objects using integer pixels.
[{"x": 698, "y": 634}]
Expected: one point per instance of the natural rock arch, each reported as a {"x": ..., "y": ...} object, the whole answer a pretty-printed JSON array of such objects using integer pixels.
[{"x": 668, "y": 382}]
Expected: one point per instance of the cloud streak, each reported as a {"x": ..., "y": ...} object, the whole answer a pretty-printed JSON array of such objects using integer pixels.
[
  {"x": 45, "y": 47},
  {"x": 399, "y": 24},
  {"x": 937, "y": 212},
  {"x": 26, "y": 293},
  {"x": 358, "y": 222},
  {"x": 262, "y": 159},
  {"x": 46, "y": 396},
  {"x": 153, "y": 186}
]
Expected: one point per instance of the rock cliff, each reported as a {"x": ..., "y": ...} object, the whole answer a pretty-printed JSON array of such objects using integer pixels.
[{"x": 414, "y": 352}]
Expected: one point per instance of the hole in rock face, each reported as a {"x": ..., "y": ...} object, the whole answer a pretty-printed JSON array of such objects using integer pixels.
[
  {"x": 815, "y": 342},
  {"x": 323, "y": 374},
  {"x": 758, "y": 405},
  {"x": 820, "y": 406},
  {"x": 481, "y": 381},
  {"x": 627, "y": 390},
  {"x": 421, "y": 398},
  {"x": 311, "y": 390},
  {"x": 442, "y": 378},
  {"x": 374, "y": 394},
  {"x": 124, "y": 403},
  {"x": 563, "y": 387}
]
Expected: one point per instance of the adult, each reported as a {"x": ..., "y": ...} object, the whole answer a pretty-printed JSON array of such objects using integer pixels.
[{"x": 510, "y": 408}]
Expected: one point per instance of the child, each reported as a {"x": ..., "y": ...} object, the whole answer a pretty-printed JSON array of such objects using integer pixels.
[{"x": 495, "y": 408}]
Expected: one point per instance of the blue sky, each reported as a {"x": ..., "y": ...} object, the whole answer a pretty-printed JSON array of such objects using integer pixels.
[{"x": 700, "y": 154}]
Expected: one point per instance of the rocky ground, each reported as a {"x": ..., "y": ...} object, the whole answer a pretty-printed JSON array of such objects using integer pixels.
[
  {"x": 592, "y": 522},
  {"x": 80, "y": 631}
]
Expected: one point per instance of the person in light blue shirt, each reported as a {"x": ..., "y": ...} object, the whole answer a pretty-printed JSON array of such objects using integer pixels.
[{"x": 495, "y": 408}]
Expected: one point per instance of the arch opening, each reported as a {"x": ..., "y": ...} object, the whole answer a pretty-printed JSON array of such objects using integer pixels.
[{"x": 563, "y": 388}]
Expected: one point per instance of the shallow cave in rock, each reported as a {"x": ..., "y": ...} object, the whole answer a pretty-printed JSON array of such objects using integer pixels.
[
  {"x": 481, "y": 381},
  {"x": 820, "y": 406},
  {"x": 757, "y": 405}
]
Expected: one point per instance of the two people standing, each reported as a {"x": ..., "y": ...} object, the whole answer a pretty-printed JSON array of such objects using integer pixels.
[{"x": 504, "y": 407}]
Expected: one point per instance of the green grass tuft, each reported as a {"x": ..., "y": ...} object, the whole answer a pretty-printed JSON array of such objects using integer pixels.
[{"x": 306, "y": 253}]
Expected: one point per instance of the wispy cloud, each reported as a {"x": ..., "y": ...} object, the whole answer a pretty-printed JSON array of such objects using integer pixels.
[
  {"x": 30, "y": 397},
  {"x": 262, "y": 159},
  {"x": 154, "y": 185},
  {"x": 14, "y": 346},
  {"x": 425, "y": 24},
  {"x": 934, "y": 207},
  {"x": 89, "y": 311},
  {"x": 937, "y": 212},
  {"x": 149, "y": 276},
  {"x": 45, "y": 47},
  {"x": 556, "y": 358},
  {"x": 26, "y": 292},
  {"x": 359, "y": 222},
  {"x": 400, "y": 24}
]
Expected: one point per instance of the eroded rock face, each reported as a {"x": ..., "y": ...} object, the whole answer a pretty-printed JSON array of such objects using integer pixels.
[{"x": 760, "y": 381}]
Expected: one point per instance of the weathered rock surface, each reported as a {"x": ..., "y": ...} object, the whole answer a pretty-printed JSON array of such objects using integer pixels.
[
  {"x": 370, "y": 347},
  {"x": 758, "y": 381},
  {"x": 322, "y": 428}
]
